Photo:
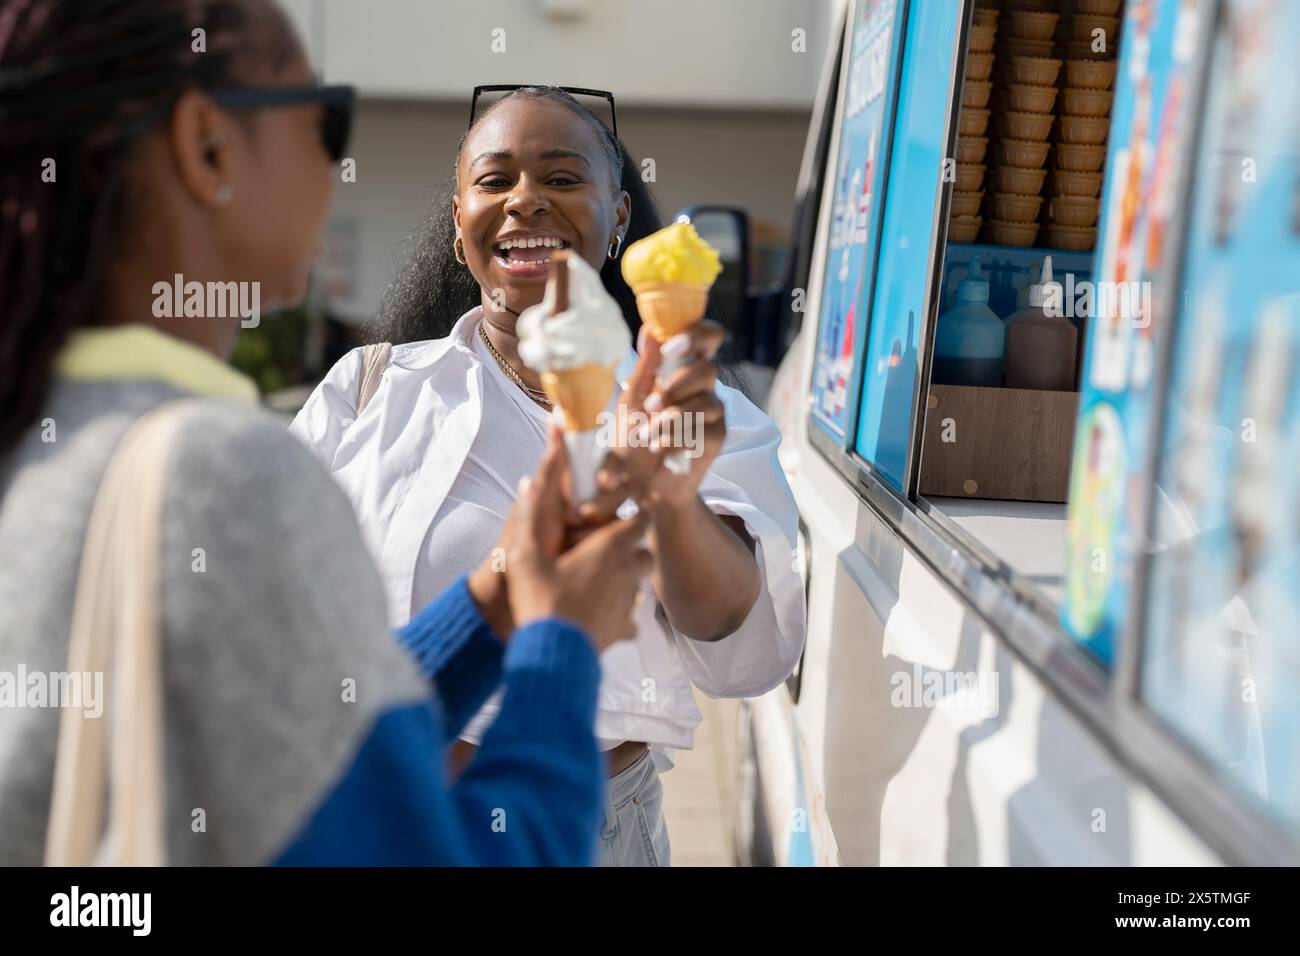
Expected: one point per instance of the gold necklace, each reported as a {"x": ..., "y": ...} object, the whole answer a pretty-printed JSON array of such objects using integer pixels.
[{"x": 536, "y": 394}]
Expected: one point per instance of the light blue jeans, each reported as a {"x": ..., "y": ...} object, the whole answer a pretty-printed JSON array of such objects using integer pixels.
[{"x": 633, "y": 832}]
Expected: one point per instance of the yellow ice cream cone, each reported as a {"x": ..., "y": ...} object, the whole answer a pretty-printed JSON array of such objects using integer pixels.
[
  {"x": 669, "y": 308},
  {"x": 582, "y": 393},
  {"x": 671, "y": 272}
]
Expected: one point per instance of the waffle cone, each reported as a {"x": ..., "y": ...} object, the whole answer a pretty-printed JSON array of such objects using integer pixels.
[
  {"x": 669, "y": 308},
  {"x": 582, "y": 393}
]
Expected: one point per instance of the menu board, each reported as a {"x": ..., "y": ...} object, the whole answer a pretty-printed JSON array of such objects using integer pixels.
[
  {"x": 1150, "y": 129},
  {"x": 1221, "y": 655},
  {"x": 852, "y": 235}
]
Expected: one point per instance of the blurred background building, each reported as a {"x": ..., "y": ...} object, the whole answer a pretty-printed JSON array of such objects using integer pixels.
[{"x": 716, "y": 93}]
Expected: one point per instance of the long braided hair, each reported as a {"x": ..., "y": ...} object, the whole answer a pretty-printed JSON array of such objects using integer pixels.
[
  {"x": 79, "y": 80},
  {"x": 433, "y": 290}
]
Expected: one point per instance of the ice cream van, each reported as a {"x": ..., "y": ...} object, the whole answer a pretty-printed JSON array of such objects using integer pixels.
[{"x": 1039, "y": 384}]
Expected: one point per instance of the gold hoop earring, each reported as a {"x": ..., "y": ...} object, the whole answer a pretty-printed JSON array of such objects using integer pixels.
[
  {"x": 457, "y": 250},
  {"x": 615, "y": 247}
]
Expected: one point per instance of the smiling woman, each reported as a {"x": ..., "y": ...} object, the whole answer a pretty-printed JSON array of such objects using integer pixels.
[
  {"x": 517, "y": 191},
  {"x": 436, "y": 285},
  {"x": 432, "y": 462}
]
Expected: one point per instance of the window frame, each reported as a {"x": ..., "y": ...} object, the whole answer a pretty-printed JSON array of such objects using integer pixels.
[
  {"x": 826, "y": 172},
  {"x": 841, "y": 453},
  {"x": 1106, "y": 702},
  {"x": 938, "y": 240}
]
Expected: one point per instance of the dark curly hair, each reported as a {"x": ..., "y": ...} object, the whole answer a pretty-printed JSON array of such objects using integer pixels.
[
  {"x": 79, "y": 80},
  {"x": 433, "y": 290}
]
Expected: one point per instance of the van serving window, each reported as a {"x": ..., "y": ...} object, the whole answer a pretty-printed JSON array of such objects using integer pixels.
[{"x": 1075, "y": 432}]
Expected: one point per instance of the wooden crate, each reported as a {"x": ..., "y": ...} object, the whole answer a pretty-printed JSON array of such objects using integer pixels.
[{"x": 1009, "y": 444}]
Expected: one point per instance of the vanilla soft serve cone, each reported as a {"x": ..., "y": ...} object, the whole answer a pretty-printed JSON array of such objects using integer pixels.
[{"x": 574, "y": 339}]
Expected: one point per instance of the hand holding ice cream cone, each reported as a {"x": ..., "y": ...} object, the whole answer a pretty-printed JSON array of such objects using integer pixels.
[
  {"x": 574, "y": 339},
  {"x": 671, "y": 273}
]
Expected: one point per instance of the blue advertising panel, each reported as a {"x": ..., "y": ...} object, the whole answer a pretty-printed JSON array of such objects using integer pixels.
[
  {"x": 1221, "y": 655},
  {"x": 857, "y": 182},
  {"x": 890, "y": 365},
  {"x": 1150, "y": 125}
]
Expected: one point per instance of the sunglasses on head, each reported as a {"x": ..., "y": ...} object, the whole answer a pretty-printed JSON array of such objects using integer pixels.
[
  {"x": 574, "y": 91},
  {"x": 337, "y": 101}
]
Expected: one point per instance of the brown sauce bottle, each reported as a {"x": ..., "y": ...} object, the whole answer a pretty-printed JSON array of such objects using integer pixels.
[{"x": 1041, "y": 341}]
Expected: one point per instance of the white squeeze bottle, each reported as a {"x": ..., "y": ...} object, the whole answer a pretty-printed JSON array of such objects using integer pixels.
[
  {"x": 1040, "y": 346},
  {"x": 970, "y": 339}
]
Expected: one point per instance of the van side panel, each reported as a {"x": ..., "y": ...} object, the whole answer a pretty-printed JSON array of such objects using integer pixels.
[{"x": 926, "y": 740}]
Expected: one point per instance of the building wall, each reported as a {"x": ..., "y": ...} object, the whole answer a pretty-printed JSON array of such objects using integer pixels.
[
  {"x": 716, "y": 92},
  {"x": 695, "y": 53},
  {"x": 404, "y": 151}
]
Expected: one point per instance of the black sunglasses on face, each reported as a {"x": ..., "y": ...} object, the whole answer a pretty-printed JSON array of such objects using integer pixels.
[
  {"x": 337, "y": 101},
  {"x": 574, "y": 91}
]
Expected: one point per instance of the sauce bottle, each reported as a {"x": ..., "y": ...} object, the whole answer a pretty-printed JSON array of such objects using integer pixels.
[
  {"x": 970, "y": 339},
  {"x": 1041, "y": 341}
]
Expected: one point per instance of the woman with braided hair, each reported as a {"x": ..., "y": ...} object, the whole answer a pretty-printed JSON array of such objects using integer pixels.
[{"x": 146, "y": 142}]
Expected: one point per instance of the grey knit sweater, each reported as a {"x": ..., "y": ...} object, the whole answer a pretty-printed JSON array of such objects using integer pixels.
[{"x": 270, "y": 606}]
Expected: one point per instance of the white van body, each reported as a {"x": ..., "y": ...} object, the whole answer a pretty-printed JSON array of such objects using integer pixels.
[
  {"x": 863, "y": 770},
  {"x": 917, "y": 731}
]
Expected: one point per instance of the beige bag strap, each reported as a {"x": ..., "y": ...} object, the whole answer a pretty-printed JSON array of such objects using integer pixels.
[
  {"x": 374, "y": 360},
  {"x": 116, "y": 632}
]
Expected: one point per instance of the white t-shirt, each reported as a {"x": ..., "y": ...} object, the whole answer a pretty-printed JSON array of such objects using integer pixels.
[{"x": 508, "y": 447}]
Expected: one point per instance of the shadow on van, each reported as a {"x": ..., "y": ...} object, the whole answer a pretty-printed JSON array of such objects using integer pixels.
[{"x": 922, "y": 766}]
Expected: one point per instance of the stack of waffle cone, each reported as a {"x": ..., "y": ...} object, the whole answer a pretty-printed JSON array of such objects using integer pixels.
[{"x": 669, "y": 308}]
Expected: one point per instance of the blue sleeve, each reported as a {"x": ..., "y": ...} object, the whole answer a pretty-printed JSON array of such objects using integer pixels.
[
  {"x": 533, "y": 795},
  {"x": 456, "y": 649}
]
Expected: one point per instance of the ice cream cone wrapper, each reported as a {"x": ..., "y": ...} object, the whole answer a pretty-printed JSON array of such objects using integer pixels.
[
  {"x": 585, "y": 456},
  {"x": 581, "y": 394},
  {"x": 669, "y": 308}
]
